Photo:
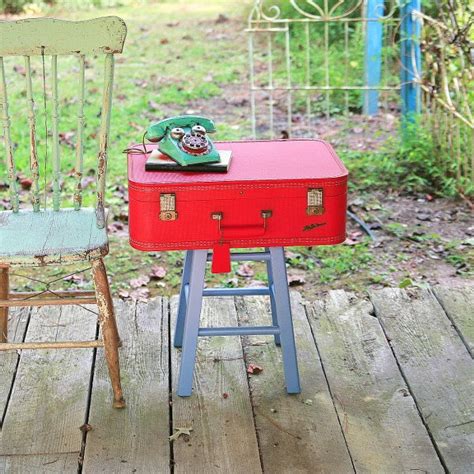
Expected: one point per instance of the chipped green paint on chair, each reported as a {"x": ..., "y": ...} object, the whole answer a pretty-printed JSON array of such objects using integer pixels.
[{"x": 42, "y": 236}]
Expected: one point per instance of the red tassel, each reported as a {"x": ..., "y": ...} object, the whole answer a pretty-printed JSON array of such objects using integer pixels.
[{"x": 221, "y": 258}]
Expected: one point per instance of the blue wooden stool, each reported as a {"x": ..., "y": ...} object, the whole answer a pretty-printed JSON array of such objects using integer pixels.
[{"x": 189, "y": 312}]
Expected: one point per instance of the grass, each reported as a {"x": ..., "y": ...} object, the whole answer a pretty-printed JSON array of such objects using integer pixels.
[
  {"x": 154, "y": 79},
  {"x": 178, "y": 59}
]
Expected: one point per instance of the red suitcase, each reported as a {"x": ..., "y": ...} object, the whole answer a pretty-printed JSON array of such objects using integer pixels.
[{"x": 277, "y": 193}]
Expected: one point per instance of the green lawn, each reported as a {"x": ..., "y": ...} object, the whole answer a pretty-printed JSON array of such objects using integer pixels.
[{"x": 187, "y": 57}]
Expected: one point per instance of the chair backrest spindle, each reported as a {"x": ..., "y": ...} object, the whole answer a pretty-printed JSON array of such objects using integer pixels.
[
  {"x": 104, "y": 137},
  {"x": 52, "y": 37},
  {"x": 79, "y": 168},
  {"x": 55, "y": 134},
  {"x": 34, "y": 167},
  {"x": 14, "y": 198}
]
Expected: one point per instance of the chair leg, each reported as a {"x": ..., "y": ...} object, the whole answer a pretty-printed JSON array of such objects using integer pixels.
[
  {"x": 4, "y": 290},
  {"x": 272, "y": 299},
  {"x": 109, "y": 329},
  {"x": 287, "y": 337},
  {"x": 178, "y": 335},
  {"x": 191, "y": 326}
]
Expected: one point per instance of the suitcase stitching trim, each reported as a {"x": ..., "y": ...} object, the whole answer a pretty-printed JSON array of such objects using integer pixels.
[
  {"x": 211, "y": 243},
  {"x": 149, "y": 188}
]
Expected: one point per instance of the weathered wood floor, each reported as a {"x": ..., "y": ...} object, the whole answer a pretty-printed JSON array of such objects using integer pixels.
[{"x": 388, "y": 388}]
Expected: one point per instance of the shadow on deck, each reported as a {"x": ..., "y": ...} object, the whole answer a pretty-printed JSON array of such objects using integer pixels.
[{"x": 387, "y": 387}]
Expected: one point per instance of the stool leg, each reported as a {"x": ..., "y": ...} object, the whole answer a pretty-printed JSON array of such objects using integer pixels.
[
  {"x": 287, "y": 337},
  {"x": 272, "y": 298},
  {"x": 191, "y": 325},
  {"x": 178, "y": 335}
]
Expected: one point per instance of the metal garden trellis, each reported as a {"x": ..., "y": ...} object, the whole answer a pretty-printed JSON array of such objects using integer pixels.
[{"x": 382, "y": 21}]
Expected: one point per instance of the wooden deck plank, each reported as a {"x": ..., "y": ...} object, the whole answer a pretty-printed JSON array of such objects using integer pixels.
[
  {"x": 458, "y": 303},
  {"x": 39, "y": 464},
  {"x": 223, "y": 437},
  {"x": 17, "y": 323},
  {"x": 134, "y": 439},
  {"x": 297, "y": 433},
  {"x": 437, "y": 367},
  {"x": 49, "y": 398},
  {"x": 381, "y": 423}
]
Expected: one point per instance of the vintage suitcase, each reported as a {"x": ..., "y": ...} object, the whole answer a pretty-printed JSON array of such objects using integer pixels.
[{"x": 276, "y": 193}]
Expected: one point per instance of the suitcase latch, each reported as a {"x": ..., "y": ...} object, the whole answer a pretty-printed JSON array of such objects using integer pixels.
[
  {"x": 315, "y": 202},
  {"x": 168, "y": 207}
]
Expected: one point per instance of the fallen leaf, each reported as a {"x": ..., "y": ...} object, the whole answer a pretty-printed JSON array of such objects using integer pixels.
[
  {"x": 164, "y": 41},
  {"x": 124, "y": 294},
  {"x": 87, "y": 181},
  {"x": 141, "y": 83},
  {"x": 65, "y": 138},
  {"x": 140, "y": 294},
  {"x": 245, "y": 270},
  {"x": 296, "y": 279},
  {"x": 153, "y": 105},
  {"x": 26, "y": 183},
  {"x": 222, "y": 19},
  {"x": 157, "y": 272},
  {"x": 76, "y": 279},
  {"x": 254, "y": 369},
  {"x": 142, "y": 280},
  {"x": 19, "y": 69},
  {"x": 232, "y": 282},
  {"x": 256, "y": 284},
  {"x": 117, "y": 228},
  {"x": 423, "y": 217},
  {"x": 405, "y": 283},
  {"x": 180, "y": 432}
]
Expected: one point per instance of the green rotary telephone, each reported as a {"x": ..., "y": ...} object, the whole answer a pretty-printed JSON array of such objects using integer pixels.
[{"x": 185, "y": 139}]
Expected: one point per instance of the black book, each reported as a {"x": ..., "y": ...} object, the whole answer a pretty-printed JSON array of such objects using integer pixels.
[{"x": 157, "y": 161}]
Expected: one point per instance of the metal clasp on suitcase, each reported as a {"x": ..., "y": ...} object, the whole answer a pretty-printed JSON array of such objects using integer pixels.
[
  {"x": 168, "y": 207},
  {"x": 315, "y": 206}
]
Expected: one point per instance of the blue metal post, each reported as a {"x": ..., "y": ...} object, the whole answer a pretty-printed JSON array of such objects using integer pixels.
[
  {"x": 373, "y": 55},
  {"x": 285, "y": 323},
  {"x": 272, "y": 298},
  {"x": 191, "y": 328},
  {"x": 178, "y": 335},
  {"x": 410, "y": 31}
]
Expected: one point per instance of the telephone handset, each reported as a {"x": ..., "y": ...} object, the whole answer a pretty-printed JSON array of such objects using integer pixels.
[{"x": 185, "y": 139}]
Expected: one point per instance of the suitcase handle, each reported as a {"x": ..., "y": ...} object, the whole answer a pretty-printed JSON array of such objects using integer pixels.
[{"x": 240, "y": 231}]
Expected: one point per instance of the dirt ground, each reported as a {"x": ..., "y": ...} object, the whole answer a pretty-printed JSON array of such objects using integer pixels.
[{"x": 417, "y": 240}]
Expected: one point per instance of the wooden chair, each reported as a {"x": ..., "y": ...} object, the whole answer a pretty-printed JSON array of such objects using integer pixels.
[{"x": 42, "y": 236}]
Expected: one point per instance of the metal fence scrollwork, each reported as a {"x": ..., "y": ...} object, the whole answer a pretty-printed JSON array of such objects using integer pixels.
[{"x": 310, "y": 58}]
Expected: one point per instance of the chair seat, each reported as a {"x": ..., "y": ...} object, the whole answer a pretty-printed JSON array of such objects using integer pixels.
[{"x": 50, "y": 237}]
